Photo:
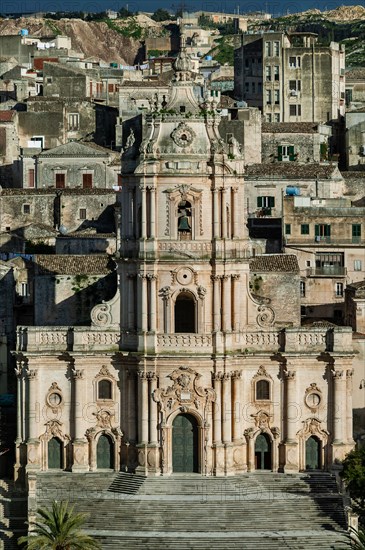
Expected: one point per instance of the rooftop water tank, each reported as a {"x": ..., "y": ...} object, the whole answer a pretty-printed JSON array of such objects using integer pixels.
[
  {"x": 24, "y": 32},
  {"x": 208, "y": 58},
  {"x": 292, "y": 191}
]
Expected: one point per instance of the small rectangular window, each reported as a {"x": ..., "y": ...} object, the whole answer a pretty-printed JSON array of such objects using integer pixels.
[
  {"x": 268, "y": 97},
  {"x": 277, "y": 117},
  {"x": 82, "y": 213},
  {"x": 277, "y": 96},
  {"x": 357, "y": 265},
  {"x": 302, "y": 289},
  {"x": 308, "y": 263},
  {"x": 268, "y": 49},
  {"x": 24, "y": 289},
  {"x": 60, "y": 181},
  {"x": 276, "y": 72},
  {"x": 87, "y": 181},
  {"x": 339, "y": 289},
  {"x": 268, "y": 117},
  {"x": 268, "y": 72},
  {"x": 73, "y": 121},
  {"x": 276, "y": 48},
  {"x": 304, "y": 229},
  {"x": 287, "y": 229},
  {"x": 31, "y": 177},
  {"x": 26, "y": 208},
  {"x": 356, "y": 232}
]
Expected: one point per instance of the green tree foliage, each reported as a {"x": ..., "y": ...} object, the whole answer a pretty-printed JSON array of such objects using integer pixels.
[
  {"x": 58, "y": 528},
  {"x": 161, "y": 15},
  {"x": 354, "y": 475},
  {"x": 123, "y": 13}
]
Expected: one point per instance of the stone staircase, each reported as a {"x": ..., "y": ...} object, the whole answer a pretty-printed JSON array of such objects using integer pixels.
[
  {"x": 258, "y": 511},
  {"x": 13, "y": 514}
]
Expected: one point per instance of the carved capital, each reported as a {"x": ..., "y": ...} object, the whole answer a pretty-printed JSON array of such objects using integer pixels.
[
  {"x": 290, "y": 374},
  {"x": 31, "y": 374},
  {"x": 78, "y": 374},
  {"x": 151, "y": 277},
  {"x": 235, "y": 276},
  {"x": 338, "y": 374}
]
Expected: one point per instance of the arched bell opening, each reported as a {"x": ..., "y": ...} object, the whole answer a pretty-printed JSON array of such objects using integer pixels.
[
  {"x": 185, "y": 313},
  {"x": 184, "y": 223}
]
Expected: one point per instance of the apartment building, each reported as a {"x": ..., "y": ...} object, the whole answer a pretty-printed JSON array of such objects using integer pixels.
[{"x": 290, "y": 77}]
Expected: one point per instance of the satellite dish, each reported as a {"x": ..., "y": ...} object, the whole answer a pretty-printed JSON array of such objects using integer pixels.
[{"x": 62, "y": 229}]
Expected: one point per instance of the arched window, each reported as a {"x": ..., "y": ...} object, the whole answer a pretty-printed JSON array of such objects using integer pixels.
[
  {"x": 185, "y": 313},
  {"x": 184, "y": 220},
  {"x": 104, "y": 389},
  {"x": 262, "y": 390}
]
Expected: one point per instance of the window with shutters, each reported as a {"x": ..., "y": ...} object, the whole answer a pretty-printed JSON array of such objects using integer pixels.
[
  {"x": 356, "y": 232},
  {"x": 304, "y": 229},
  {"x": 262, "y": 390},
  {"x": 276, "y": 72},
  {"x": 268, "y": 72},
  {"x": 82, "y": 213},
  {"x": 87, "y": 181},
  {"x": 268, "y": 49},
  {"x": 31, "y": 177},
  {"x": 322, "y": 232},
  {"x": 302, "y": 289},
  {"x": 339, "y": 290},
  {"x": 287, "y": 229},
  {"x": 286, "y": 153},
  {"x": 73, "y": 121},
  {"x": 265, "y": 202},
  {"x": 276, "y": 48},
  {"x": 277, "y": 97},
  {"x": 60, "y": 180}
]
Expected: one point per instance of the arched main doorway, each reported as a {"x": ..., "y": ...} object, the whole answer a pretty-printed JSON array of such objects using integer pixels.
[
  {"x": 263, "y": 454},
  {"x": 55, "y": 453},
  {"x": 185, "y": 442},
  {"x": 105, "y": 453},
  {"x": 313, "y": 453},
  {"x": 185, "y": 313}
]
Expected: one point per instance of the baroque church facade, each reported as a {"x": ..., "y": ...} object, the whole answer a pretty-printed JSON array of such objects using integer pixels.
[{"x": 186, "y": 369}]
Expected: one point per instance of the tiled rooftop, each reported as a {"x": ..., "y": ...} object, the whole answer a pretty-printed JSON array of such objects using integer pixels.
[
  {"x": 288, "y": 170},
  {"x": 289, "y": 128},
  {"x": 65, "y": 264},
  {"x": 274, "y": 262}
]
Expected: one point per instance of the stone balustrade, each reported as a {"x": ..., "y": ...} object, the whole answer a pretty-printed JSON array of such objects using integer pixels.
[{"x": 310, "y": 340}]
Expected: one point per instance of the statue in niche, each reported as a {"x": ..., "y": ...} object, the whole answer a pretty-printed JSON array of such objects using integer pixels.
[{"x": 184, "y": 220}]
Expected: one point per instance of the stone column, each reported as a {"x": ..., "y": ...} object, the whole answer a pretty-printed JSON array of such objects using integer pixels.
[
  {"x": 234, "y": 294},
  {"x": 349, "y": 426},
  {"x": 152, "y": 190},
  {"x": 132, "y": 412},
  {"x": 153, "y": 303},
  {"x": 339, "y": 405},
  {"x": 217, "y": 411},
  {"x": 142, "y": 302},
  {"x": 215, "y": 214},
  {"x": 33, "y": 404},
  {"x": 236, "y": 406},
  {"x": 291, "y": 424},
  {"x": 78, "y": 376},
  {"x": 216, "y": 302},
  {"x": 143, "y": 212},
  {"x": 153, "y": 409},
  {"x": 131, "y": 305},
  {"x": 227, "y": 315},
  {"x": 235, "y": 212},
  {"x": 131, "y": 220},
  {"x": 143, "y": 407},
  {"x": 227, "y": 409},
  {"x": 224, "y": 216},
  {"x": 165, "y": 292},
  {"x": 19, "y": 401},
  {"x": 80, "y": 452}
]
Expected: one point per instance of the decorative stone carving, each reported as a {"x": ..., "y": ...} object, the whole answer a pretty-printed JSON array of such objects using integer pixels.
[
  {"x": 165, "y": 292},
  {"x": 262, "y": 420},
  {"x": 265, "y": 317},
  {"x": 104, "y": 371},
  {"x": 313, "y": 397},
  {"x": 54, "y": 429},
  {"x": 201, "y": 292},
  {"x": 104, "y": 418},
  {"x": 262, "y": 373},
  {"x": 184, "y": 392},
  {"x": 183, "y": 135},
  {"x": 54, "y": 398},
  {"x": 312, "y": 426},
  {"x": 107, "y": 313}
]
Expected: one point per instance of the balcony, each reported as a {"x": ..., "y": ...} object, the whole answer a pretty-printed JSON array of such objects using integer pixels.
[{"x": 327, "y": 271}]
